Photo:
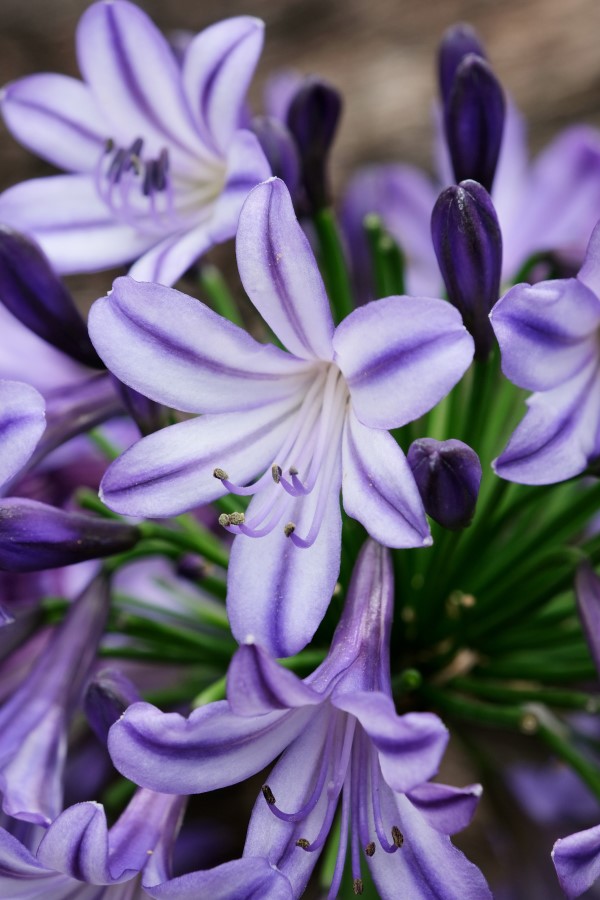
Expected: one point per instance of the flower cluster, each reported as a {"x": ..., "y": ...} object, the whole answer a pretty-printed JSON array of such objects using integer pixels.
[{"x": 291, "y": 527}]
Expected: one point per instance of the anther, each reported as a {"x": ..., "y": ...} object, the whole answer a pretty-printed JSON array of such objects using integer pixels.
[
  {"x": 303, "y": 843},
  {"x": 224, "y": 520},
  {"x": 289, "y": 529},
  {"x": 237, "y": 518},
  {"x": 357, "y": 886},
  {"x": 397, "y": 836},
  {"x": 268, "y": 794},
  {"x": 220, "y": 474},
  {"x": 370, "y": 849},
  {"x": 293, "y": 470},
  {"x": 276, "y": 472},
  {"x": 109, "y": 145}
]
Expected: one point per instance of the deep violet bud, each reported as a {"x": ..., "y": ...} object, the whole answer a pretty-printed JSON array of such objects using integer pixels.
[
  {"x": 280, "y": 149},
  {"x": 448, "y": 475},
  {"x": 468, "y": 244},
  {"x": 106, "y": 699},
  {"x": 148, "y": 415},
  {"x": 457, "y": 42},
  {"x": 34, "y": 294},
  {"x": 587, "y": 591},
  {"x": 37, "y": 536},
  {"x": 474, "y": 121},
  {"x": 312, "y": 119}
]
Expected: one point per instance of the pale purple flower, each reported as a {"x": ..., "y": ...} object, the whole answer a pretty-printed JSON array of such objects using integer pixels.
[
  {"x": 342, "y": 741},
  {"x": 159, "y": 160},
  {"x": 302, "y": 423},
  {"x": 549, "y": 335},
  {"x": 22, "y": 423}
]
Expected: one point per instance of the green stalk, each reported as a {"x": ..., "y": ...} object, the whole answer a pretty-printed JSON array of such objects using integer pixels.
[
  {"x": 500, "y": 692},
  {"x": 215, "y": 287},
  {"x": 333, "y": 261},
  {"x": 202, "y": 541}
]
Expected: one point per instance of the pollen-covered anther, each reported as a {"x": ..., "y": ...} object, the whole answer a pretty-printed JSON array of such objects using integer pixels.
[
  {"x": 303, "y": 843},
  {"x": 357, "y": 886},
  {"x": 224, "y": 520},
  {"x": 237, "y": 518},
  {"x": 397, "y": 836},
  {"x": 370, "y": 849},
  {"x": 293, "y": 470},
  {"x": 268, "y": 794},
  {"x": 220, "y": 474},
  {"x": 276, "y": 472},
  {"x": 289, "y": 529}
]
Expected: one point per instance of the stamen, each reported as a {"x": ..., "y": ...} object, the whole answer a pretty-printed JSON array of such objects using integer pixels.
[
  {"x": 303, "y": 843},
  {"x": 375, "y": 775},
  {"x": 289, "y": 529},
  {"x": 357, "y": 886},
  {"x": 234, "y": 518},
  {"x": 397, "y": 836},
  {"x": 220, "y": 474},
  {"x": 370, "y": 849},
  {"x": 276, "y": 472},
  {"x": 268, "y": 794}
]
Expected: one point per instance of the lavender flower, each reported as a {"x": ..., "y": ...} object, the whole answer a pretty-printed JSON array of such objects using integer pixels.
[
  {"x": 549, "y": 335},
  {"x": 448, "y": 475},
  {"x": 160, "y": 163},
  {"x": 297, "y": 420},
  {"x": 22, "y": 423},
  {"x": 342, "y": 738}
]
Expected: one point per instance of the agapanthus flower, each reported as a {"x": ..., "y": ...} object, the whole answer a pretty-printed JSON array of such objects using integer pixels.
[
  {"x": 22, "y": 423},
  {"x": 343, "y": 742},
  {"x": 302, "y": 423},
  {"x": 159, "y": 160},
  {"x": 549, "y": 335}
]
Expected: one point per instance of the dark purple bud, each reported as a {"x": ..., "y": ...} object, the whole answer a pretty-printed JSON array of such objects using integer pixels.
[
  {"x": 468, "y": 245},
  {"x": 280, "y": 149},
  {"x": 36, "y": 536},
  {"x": 33, "y": 293},
  {"x": 587, "y": 591},
  {"x": 312, "y": 119},
  {"x": 106, "y": 699},
  {"x": 474, "y": 121},
  {"x": 148, "y": 415},
  {"x": 448, "y": 475},
  {"x": 457, "y": 42}
]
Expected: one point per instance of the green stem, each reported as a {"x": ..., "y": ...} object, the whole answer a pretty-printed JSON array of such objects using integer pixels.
[
  {"x": 333, "y": 261},
  {"x": 490, "y": 690},
  {"x": 215, "y": 287},
  {"x": 202, "y": 541}
]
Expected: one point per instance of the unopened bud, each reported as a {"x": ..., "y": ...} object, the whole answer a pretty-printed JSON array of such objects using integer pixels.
[
  {"x": 457, "y": 42},
  {"x": 448, "y": 475}
]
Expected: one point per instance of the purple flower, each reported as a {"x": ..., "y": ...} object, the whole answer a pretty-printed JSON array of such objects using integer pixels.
[
  {"x": 303, "y": 423},
  {"x": 34, "y": 720},
  {"x": 22, "y": 423},
  {"x": 549, "y": 335},
  {"x": 159, "y": 162},
  {"x": 576, "y": 859},
  {"x": 448, "y": 475},
  {"x": 341, "y": 738}
]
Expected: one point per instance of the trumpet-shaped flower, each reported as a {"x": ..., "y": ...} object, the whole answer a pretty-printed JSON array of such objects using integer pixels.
[
  {"x": 342, "y": 740},
  {"x": 301, "y": 423},
  {"x": 159, "y": 162},
  {"x": 549, "y": 335}
]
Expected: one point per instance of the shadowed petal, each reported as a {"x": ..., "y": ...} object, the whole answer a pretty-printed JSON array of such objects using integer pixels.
[
  {"x": 257, "y": 684},
  {"x": 576, "y": 859},
  {"x": 22, "y": 423},
  {"x": 172, "y": 470},
  {"x": 247, "y": 165},
  {"x": 179, "y": 352},
  {"x": 589, "y": 273},
  {"x": 447, "y": 809},
  {"x": 378, "y": 487},
  {"x": 56, "y": 117},
  {"x": 546, "y": 331},
  {"x": 280, "y": 274},
  {"x": 217, "y": 70},
  {"x": 210, "y": 749},
  {"x": 400, "y": 356},
  {"x": 587, "y": 590},
  {"x": 252, "y": 878},
  {"x": 166, "y": 261}
]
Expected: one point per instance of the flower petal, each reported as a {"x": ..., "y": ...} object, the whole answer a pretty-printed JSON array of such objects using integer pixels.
[
  {"x": 378, "y": 487},
  {"x": 179, "y": 352},
  {"x": 212, "y": 748},
  {"x": 20, "y": 871},
  {"x": 400, "y": 356},
  {"x": 135, "y": 79},
  {"x": 172, "y": 470},
  {"x": 576, "y": 859},
  {"x": 279, "y": 595},
  {"x": 217, "y": 70},
  {"x": 257, "y": 684},
  {"x": 447, "y": 809},
  {"x": 73, "y": 226},
  {"x": 22, "y": 423},
  {"x": 589, "y": 273},
  {"x": 167, "y": 260},
  {"x": 547, "y": 332},
  {"x": 280, "y": 274},
  {"x": 57, "y": 117},
  {"x": 559, "y": 435},
  {"x": 410, "y": 747},
  {"x": 587, "y": 592},
  {"x": 247, "y": 166},
  {"x": 252, "y": 878}
]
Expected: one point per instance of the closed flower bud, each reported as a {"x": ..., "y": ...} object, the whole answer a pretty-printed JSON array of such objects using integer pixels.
[
  {"x": 457, "y": 42},
  {"x": 106, "y": 699},
  {"x": 280, "y": 149},
  {"x": 312, "y": 119},
  {"x": 148, "y": 415},
  {"x": 474, "y": 120},
  {"x": 468, "y": 245},
  {"x": 448, "y": 475},
  {"x": 37, "y": 536}
]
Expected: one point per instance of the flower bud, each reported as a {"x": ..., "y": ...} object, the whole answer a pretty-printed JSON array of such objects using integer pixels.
[
  {"x": 448, "y": 475},
  {"x": 587, "y": 591},
  {"x": 468, "y": 245},
  {"x": 148, "y": 415},
  {"x": 312, "y": 119},
  {"x": 106, "y": 699},
  {"x": 34, "y": 294},
  {"x": 280, "y": 149},
  {"x": 474, "y": 121},
  {"x": 37, "y": 536},
  {"x": 457, "y": 42}
]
